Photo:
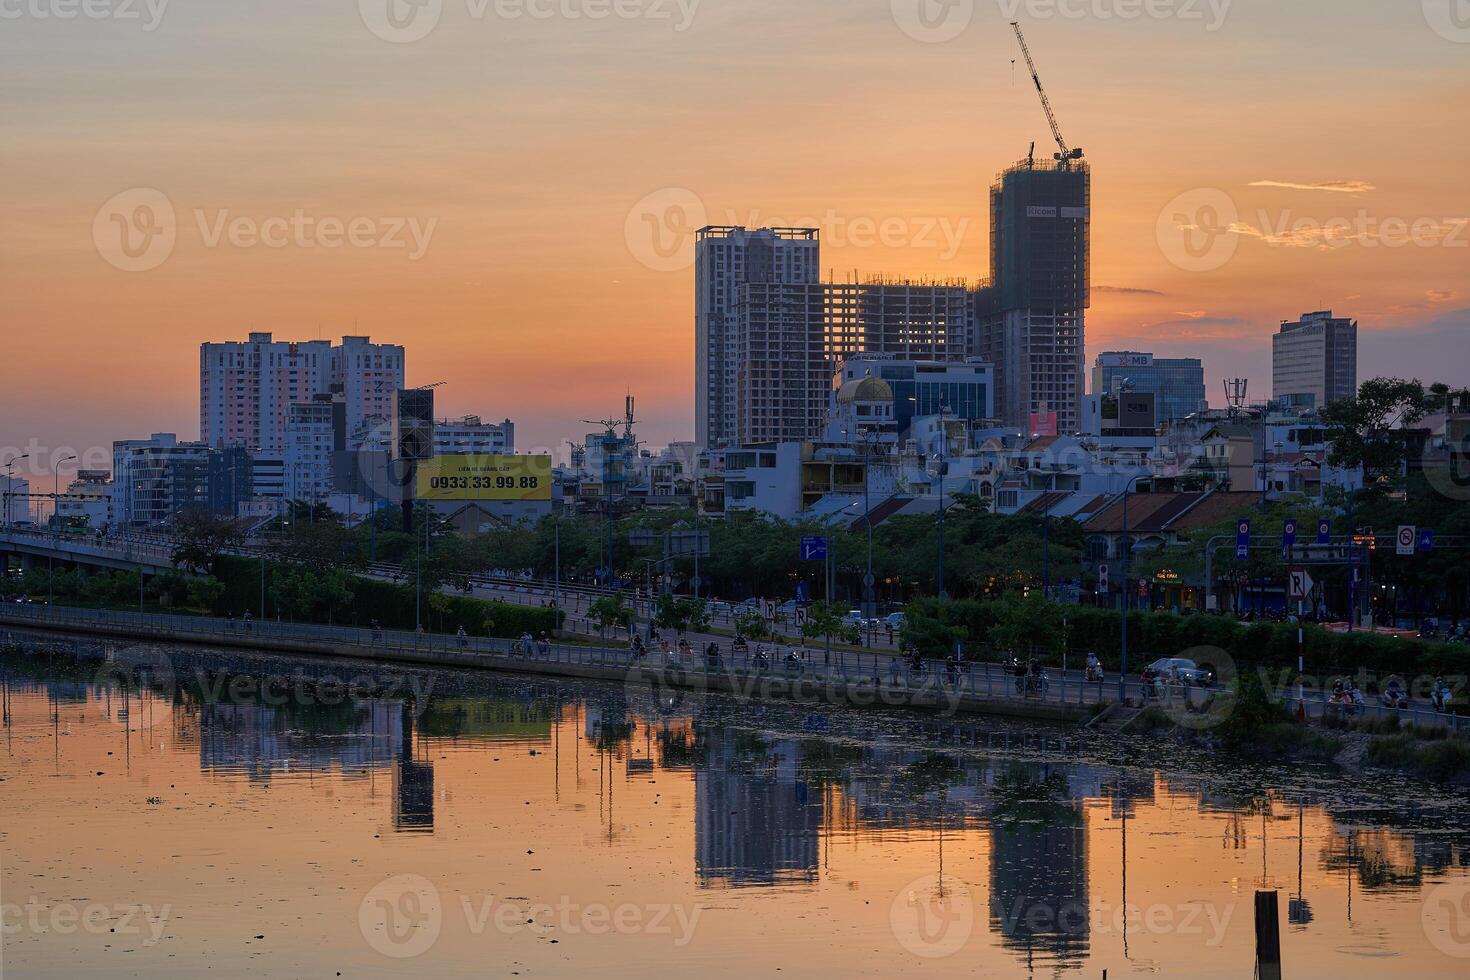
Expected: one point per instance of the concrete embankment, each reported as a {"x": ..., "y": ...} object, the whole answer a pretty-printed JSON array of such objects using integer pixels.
[{"x": 854, "y": 684}]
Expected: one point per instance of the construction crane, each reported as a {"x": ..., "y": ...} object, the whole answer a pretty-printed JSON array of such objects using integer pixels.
[{"x": 1066, "y": 153}]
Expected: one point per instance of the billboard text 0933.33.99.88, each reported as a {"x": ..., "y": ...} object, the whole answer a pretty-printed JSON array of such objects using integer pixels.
[{"x": 487, "y": 477}]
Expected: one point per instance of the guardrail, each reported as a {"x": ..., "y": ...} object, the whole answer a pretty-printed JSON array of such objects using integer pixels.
[
  {"x": 886, "y": 679},
  {"x": 879, "y": 672}
]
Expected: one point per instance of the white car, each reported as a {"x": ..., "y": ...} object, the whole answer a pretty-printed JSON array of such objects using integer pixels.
[{"x": 896, "y": 621}]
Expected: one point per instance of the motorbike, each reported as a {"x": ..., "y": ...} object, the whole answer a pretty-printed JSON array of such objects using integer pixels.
[
  {"x": 1440, "y": 697},
  {"x": 1394, "y": 696},
  {"x": 1094, "y": 674}
]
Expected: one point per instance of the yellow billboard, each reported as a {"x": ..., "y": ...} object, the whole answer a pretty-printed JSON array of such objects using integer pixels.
[{"x": 485, "y": 477}]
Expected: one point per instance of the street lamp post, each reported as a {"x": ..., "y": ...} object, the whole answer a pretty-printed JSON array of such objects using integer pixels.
[
  {"x": 1127, "y": 556},
  {"x": 943, "y": 466},
  {"x": 9, "y": 489},
  {"x": 1046, "y": 548},
  {"x": 56, "y": 527}
]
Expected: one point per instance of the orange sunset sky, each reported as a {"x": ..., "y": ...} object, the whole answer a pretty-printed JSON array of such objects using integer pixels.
[{"x": 534, "y": 151}]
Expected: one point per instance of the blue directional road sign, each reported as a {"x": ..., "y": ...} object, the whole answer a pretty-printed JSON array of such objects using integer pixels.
[
  {"x": 1324, "y": 531},
  {"x": 1243, "y": 540},
  {"x": 813, "y": 548},
  {"x": 1426, "y": 540}
]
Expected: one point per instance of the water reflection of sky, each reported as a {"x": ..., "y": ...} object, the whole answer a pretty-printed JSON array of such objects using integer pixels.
[{"x": 807, "y": 837}]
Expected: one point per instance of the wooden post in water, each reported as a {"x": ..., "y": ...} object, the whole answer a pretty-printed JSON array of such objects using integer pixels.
[{"x": 1268, "y": 937}]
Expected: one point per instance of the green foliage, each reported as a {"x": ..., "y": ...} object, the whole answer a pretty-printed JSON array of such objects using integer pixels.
[
  {"x": 752, "y": 625},
  {"x": 1440, "y": 760},
  {"x": 1253, "y": 709},
  {"x": 306, "y": 595},
  {"x": 611, "y": 612},
  {"x": 1026, "y": 624},
  {"x": 1367, "y": 431},
  {"x": 935, "y": 626},
  {"x": 390, "y": 604},
  {"x": 681, "y": 615},
  {"x": 201, "y": 538},
  {"x": 824, "y": 621}
]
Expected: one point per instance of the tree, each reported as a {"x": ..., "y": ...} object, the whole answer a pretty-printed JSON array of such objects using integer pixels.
[
  {"x": 1368, "y": 431},
  {"x": 824, "y": 621},
  {"x": 681, "y": 615},
  {"x": 200, "y": 538},
  {"x": 752, "y": 625},
  {"x": 1024, "y": 623},
  {"x": 611, "y": 612},
  {"x": 304, "y": 594}
]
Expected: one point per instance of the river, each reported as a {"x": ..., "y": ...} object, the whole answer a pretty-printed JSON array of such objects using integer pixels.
[{"x": 169, "y": 811}]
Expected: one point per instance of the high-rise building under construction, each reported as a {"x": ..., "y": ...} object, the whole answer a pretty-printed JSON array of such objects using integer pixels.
[{"x": 1030, "y": 318}]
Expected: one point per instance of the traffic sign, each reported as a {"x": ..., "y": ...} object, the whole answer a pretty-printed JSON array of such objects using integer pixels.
[
  {"x": 1243, "y": 540},
  {"x": 813, "y": 548},
  {"x": 1408, "y": 539},
  {"x": 1426, "y": 540},
  {"x": 1301, "y": 583}
]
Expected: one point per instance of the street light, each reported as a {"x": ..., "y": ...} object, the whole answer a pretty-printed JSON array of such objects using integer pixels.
[
  {"x": 943, "y": 465},
  {"x": 1127, "y": 556},
  {"x": 56, "y": 527},
  {"x": 9, "y": 467}
]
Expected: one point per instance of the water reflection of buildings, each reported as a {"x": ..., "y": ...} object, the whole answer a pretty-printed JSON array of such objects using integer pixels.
[
  {"x": 1038, "y": 858},
  {"x": 262, "y": 741},
  {"x": 757, "y": 819},
  {"x": 353, "y": 739}
]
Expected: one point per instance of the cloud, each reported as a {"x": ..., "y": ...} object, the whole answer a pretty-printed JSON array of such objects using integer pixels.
[
  {"x": 1190, "y": 314},
  {"x": 1196, "y": 328},
  {"x": 1129, "y": 290},
  {"x": 1440, "y": 295},
  {"x": 1334, "y": 186}
]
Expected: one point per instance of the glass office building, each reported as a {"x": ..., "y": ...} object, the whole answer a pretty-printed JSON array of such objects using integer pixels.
[{"x": 1178, "y": 383}]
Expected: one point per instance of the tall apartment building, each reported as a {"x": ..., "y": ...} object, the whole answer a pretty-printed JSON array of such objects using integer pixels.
[
  {"x": 314, "y": 431},
  {"x": 1177, "y": 383},
  {"x": 790, "y": 338},
  {"x": 727, "y": 258},
  {"x": 246, "y": 390},
  {"x": 1030, "y": 320},
  {"x": 1314, "y": 360}
]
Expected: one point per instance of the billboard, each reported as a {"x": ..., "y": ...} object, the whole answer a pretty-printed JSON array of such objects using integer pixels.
[
  {"x": 485, "y": 477},
  {"x": 413, "y": 423}
]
